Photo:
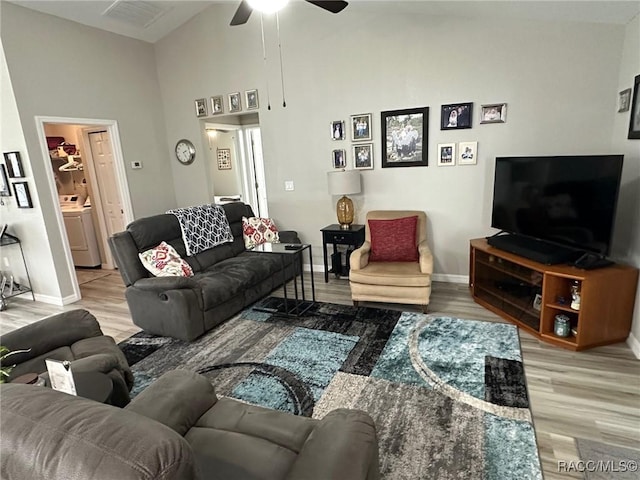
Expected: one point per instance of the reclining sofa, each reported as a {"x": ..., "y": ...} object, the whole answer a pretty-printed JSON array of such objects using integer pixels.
[
  {"x": 226, "y": 278},
  {"x": 177, "y": 429}
]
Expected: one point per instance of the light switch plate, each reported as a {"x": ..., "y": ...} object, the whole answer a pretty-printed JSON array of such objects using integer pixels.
[{"x": 288, "y": 185}]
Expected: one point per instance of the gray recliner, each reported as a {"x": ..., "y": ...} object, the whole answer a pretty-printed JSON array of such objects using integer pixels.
[
  {"x": 74, "y": 336},
  {"x": 177, "y": 429}
]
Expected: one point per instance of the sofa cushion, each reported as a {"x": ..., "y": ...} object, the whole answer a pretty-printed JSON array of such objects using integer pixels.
[
  {"x": 399, "y": 274},
  {"x": 164, "y": 261},
  {"x": 394, "y": 240},
  {"x": 256, "y": 231}
]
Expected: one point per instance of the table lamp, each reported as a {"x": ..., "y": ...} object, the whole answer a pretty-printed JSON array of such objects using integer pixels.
[{"x": 344, "y": 182}]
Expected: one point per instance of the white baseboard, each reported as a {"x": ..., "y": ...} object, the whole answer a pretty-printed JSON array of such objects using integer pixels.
[
  {"x": 56, "y": 300},
  {"x": 634, "y": 345}
]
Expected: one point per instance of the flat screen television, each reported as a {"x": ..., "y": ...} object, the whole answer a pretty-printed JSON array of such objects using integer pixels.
[{"x": 567, "y": 202}]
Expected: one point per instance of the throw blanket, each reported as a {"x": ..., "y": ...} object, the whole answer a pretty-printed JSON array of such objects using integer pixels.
[{"x": 203, "y": 227}]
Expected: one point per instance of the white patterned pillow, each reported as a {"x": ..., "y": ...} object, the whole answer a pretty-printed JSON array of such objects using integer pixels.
[
  {"x": 256, "y": 231},
  {"x": 203, "y": 227},
  {"x": 164, "y": 261}
]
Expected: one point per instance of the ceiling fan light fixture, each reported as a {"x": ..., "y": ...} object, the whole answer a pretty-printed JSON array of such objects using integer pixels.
[{"x": 268, "y": 6}]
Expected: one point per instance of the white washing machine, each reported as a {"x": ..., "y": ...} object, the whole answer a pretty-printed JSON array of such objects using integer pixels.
[{"x": 80, "y": 230}]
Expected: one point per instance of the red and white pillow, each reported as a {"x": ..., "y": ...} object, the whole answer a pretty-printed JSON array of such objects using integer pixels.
[
  {"x": 164, "y": 261},
  {"x": 256, "y": 231},
  {"x": 394, "y": 240}
]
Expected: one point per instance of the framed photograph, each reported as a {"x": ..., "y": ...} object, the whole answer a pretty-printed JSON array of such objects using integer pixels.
[
  {"x": 456, "y": 115},
  {"x": 251, "y": 99},
  {"x": 234, "y": 102},
  {"x": 537, "y": 302},
  {"x": 339, "y": 159},
  {"x": 14, "y": 164},
  {"x": 224, "y": 159},
  {"x": 363, "y": 156},
  {"x": 337, "y": 130},
  {"x": 624, "y": 100},
  {"x": 404, "y": 137},
  {"x": 446, "y": 154},
  {"x": 361, "y": 127},
  {"x": 494, "y": 113},
  {"x": 634, "y": 119},
  {"x": 5, "y": 191},
  {"x": 23, "y": 197},
  {"x": 201, "y": 107},
  {"x": 217, "y": 105},
  {"x": 467, "y": 153}
]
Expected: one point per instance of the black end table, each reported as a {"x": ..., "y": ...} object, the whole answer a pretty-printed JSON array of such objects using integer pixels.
[{"x": 335, "y": 235}]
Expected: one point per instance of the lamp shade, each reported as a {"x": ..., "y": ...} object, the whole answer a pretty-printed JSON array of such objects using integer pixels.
[{"x": 344, "y": 182}]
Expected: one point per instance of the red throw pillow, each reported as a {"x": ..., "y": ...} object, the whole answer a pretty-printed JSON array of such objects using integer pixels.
[{"x": 394, "y": 240}]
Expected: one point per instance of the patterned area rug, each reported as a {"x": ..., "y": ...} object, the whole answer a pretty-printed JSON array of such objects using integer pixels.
[{"x": 448, "y": 396}]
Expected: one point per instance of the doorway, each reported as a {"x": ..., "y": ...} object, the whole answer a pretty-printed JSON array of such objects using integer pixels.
[
  {"x": 87, "y": 181},
  {"x": 236, "y": 164}
]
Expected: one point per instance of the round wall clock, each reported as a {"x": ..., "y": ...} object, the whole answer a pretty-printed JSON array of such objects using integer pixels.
[{"x": 185, "y": 152}]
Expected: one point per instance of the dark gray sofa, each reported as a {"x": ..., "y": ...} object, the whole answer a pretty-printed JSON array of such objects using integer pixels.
[
  {"x": 226, "y": 278},
  {"x": 74, "y": 336},
  {"x": 177, "y": 429}
]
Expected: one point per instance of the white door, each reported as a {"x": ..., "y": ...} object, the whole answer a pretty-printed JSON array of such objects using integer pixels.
[
  {"x": 255, "y": 162},
  {"x": 107, "y": 185}
]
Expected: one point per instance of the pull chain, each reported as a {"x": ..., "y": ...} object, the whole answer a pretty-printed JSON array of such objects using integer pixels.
[
  {"x": 264, "y": 57},
  {"x": 284, "y": 103}
]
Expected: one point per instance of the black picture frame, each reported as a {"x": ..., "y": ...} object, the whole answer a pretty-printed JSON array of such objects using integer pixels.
[
  {"x": 5, "y": 190},
  {"x": 14, "y": 164},
  {"x": 405, "y": 140},
  {"x": 634, "y": 118},
  {"x": 23, "y": 197},
  {"x": 456, "y": 116}
]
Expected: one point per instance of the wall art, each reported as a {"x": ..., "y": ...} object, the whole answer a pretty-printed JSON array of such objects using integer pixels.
[
  {"x": 456, "y": 116},
  {"x": 405, "y": 137}
]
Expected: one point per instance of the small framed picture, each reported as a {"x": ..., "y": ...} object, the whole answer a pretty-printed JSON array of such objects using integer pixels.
[
  {"x": 456, "y": 116},
  {"x": 224, "y": 158},
  {"x": 634, "y": 118},
  {"x": 361, "y": 127},
  {"x": 467, "y": 153},
  {"x": 624, "y": 100},
  {"x": 363, "y": 156},
  {"x": 494, "y": 113},
  {"x": 217, "y": 105},
  {"x": 201, "y": 107},
  {"x": 537, "y": 302},
  {"x": 446, "y": 154},
  {"x": 5, "y": 191},
  {"x": 251, "y": 99},
  {"x": 339, "y": 158},
  {"x": 337, "y": 130},
  {"x": 234, "y": 102},
  {"x": 14, "y": 164},
  {"x": 23, "y": 197}
]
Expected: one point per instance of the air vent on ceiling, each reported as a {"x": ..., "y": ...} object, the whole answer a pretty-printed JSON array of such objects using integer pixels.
[{"x": 136, "y": 12}]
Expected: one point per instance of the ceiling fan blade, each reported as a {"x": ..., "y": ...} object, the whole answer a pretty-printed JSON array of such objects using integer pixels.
[
  {"x": 333, "y": 7},
  {"x": 243, "y": 13}
]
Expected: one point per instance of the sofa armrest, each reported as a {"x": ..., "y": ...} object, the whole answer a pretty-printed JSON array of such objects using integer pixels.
[
  {"x": 161, "y": 284},
  {"x": 360, "y": 256},
  {"x": 289, "y": 236},
  {"x": 343, "y": 446},
  {"x": 426, "y": 258},
  {"x": 49, "y": 334},
  {"x": 177, "y": 399}
]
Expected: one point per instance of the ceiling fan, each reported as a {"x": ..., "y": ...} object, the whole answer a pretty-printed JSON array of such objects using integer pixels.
[{"x": 244, "y": 9}]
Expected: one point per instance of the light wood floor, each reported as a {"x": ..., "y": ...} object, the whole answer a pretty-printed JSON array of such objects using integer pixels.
[{"x": 593, "y": 394}]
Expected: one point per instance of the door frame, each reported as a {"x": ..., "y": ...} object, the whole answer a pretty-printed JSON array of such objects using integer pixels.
[{"x": 111, "y": 126}]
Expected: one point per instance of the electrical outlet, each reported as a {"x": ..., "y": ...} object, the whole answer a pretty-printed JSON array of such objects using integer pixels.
[
  {"x": 288, "y": 186},
  {"x": 136, "y": 164}
]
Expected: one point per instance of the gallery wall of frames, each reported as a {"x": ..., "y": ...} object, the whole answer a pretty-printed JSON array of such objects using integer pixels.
[{"x": 12, "y": 181}]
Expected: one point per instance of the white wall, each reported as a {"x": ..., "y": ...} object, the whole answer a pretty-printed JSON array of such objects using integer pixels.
[
  {"x": 61, "y": 68},
  {"x": 627, "y": 244},
  {"x": 225, "y": 182},
  {"x": 555, "y": 76}
]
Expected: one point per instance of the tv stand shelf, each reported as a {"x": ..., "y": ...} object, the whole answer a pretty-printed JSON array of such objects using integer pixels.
[{"x": 507, "y": 284}]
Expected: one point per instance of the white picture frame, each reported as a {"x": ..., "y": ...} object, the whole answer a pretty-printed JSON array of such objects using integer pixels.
[
  {"x": 361, "y": 127},
  {"x": 235, "y": 103},
  {"x": 446, "y": 154},
  {"x": 339, "y": 159},
  {"x": 251, "y": 99},
  {"x": 493, "y": 113},
  {"x": 363, "y": 156},
  {"x": 337, "y": 130},
  {"x": 217, "y": 105},
  {"x": 467, "y": 153},
  {"x": 201, "y": 107}
]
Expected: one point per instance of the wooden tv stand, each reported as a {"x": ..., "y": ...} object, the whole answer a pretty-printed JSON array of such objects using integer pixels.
[{"x": 507, "y": 285}]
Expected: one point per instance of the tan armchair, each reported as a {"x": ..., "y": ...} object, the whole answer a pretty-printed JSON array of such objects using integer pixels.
[{"x": 392, "y": 282}]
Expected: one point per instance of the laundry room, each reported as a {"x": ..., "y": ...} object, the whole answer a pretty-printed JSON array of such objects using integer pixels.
[{"x": 74, "y": 184}]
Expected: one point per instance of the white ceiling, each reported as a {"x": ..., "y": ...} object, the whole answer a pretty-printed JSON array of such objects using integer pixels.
[{"x": 177, "y": 12}]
